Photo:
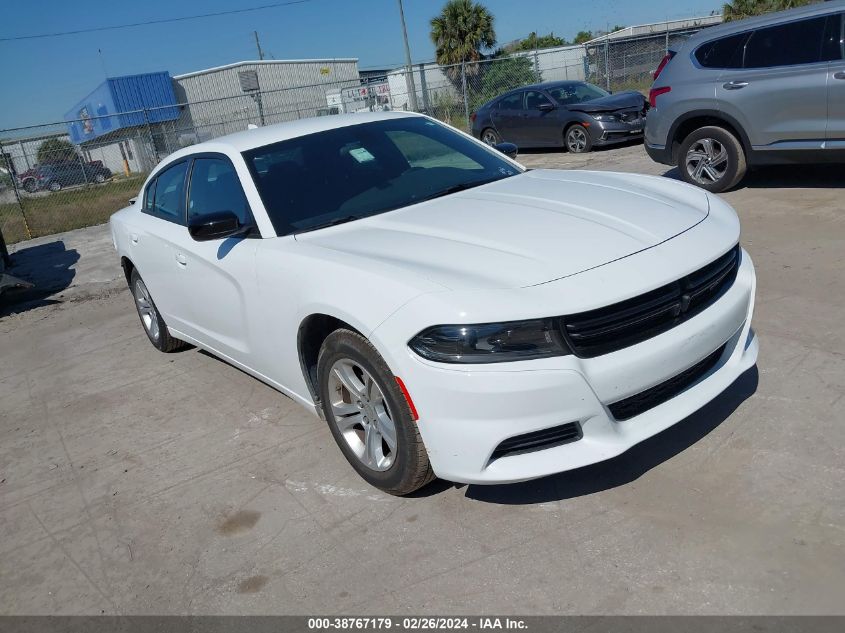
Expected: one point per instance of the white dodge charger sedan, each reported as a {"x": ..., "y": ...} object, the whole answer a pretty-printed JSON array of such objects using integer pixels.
[{"x": 446, "y": 311}]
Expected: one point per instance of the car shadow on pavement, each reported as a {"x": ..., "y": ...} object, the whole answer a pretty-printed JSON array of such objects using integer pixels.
[
  {"x": 597, "y": 149},
  {"x": 805, "y": 176},
  {"x": 49, "y": 267},
  {"x": 630, "y": 465}
]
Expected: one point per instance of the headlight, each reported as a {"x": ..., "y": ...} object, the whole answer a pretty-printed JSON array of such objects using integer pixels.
[
  {"x": 490, "y": 342},
  {"x": 605, "y": 117}
]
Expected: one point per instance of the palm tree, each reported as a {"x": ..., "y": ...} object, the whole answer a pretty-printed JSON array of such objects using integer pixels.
[
  {"x": 459, "y": 33},
  {"x": 739, "y": 9}
]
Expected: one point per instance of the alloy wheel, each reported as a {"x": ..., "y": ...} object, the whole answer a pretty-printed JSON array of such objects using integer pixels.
[
  {"x": 489, "y": 137},
  {"x": 576, "y": 140},
  {"x": 146, "y": 309},
  {"x": 707, "y": 161},
  {"x": 362, "y": 415}
]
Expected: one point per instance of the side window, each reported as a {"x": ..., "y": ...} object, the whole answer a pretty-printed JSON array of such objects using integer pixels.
[
  {"x": 533, "y": 99},
  {"x": 786, "y": 44},
  {"x": 833, "y": 39},
  {"x": 150, "y": 196},
  {"x": 722, "y": 53},
  {"x": 215, "y": 187},
  {"x": 169, "y": 199},
  {"x": 511, "y": 102}
]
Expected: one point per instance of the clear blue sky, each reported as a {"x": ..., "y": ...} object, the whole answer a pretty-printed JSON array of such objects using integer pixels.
[{"x": 43, "y": 78}]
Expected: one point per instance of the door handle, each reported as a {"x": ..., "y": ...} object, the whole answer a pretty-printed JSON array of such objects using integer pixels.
[
  {"x": 134, "y": 238},
  {"x": 181, "y": 259},
  {"x": 839, "y": 75},
  {"x": 734, "y": 85}
]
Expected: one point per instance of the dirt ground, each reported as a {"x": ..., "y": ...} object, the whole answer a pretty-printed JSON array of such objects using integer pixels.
[{"x": 133, "y": 482}]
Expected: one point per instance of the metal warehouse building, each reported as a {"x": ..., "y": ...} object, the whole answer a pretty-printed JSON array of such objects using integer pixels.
[{"x": 225, "y": 99}]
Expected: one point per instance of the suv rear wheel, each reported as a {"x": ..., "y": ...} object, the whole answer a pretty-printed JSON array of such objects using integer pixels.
[{"x": 711, "y": 158}]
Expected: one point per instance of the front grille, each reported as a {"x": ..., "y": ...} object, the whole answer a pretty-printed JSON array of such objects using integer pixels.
[
  {"x": 634, "y": 320},
  {"x": 537, "y": 440},
  {"x": 650, "y": 398}
]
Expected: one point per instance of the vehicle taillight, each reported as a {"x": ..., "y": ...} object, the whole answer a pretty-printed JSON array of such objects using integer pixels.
[
  {"x": 666, "y": 59},
  {"x": 656, "y": 92},
  {"x": 472, "y": 117}
]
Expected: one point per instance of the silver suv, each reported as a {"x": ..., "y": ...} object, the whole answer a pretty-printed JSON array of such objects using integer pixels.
[{"x": 760, "y": 91}]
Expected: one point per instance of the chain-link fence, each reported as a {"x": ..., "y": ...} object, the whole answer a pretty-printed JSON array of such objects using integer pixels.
[{"x": 53, "y": 180}]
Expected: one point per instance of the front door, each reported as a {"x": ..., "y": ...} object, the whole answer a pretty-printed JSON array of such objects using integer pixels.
[
  {"x": 543, "y": 127},
  {"x": 836, "y": 86},
  {"x": 220, "y": 274}
]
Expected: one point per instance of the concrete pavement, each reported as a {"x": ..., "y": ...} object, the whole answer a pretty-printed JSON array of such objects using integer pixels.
[{"x": 137, "y": 482}]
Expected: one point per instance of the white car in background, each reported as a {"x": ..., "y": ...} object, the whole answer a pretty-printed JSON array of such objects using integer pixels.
[{"x": 446, "y": 311}]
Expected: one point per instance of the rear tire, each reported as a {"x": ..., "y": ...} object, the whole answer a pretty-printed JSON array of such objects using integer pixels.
[
  {"x": 369, "y": 416},
  {"x": 577, "y": 139},
  {"x": 712, "y": 158},
  {"x": 154, "y": 326},
  {"x": 490, "y": 136},
  {"x": 30, "y": 186}
]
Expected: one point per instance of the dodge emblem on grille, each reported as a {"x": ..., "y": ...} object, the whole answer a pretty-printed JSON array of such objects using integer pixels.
[{"x": 685, "y": 300}]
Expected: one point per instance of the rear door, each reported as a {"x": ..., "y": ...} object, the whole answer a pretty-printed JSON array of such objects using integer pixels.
[
  {"x": 154, "y": 243},
  {"x": 509, "y": 118},
  {"x": 779, "y": 94},
  {"x": 835, "y": 40}
]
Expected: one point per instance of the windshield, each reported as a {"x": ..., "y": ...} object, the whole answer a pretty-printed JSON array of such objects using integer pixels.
[
  {"x": 351, "y": 172},
  {"x": 569, "y": 94}
]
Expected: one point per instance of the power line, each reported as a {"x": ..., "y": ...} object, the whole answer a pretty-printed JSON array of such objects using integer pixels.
[{"x": 274, "y": 5}]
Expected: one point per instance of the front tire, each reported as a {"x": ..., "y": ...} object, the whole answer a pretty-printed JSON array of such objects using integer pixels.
[
  {"x": 368, "y": 415},
  {"x": 154, "y": 326},
  {"x": 577, "y": 139},
  {"x": 712, "y": 158}
]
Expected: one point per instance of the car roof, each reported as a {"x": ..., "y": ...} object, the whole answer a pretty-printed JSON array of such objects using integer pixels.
[
  {"x": 266, "y": 135},
  {"x": 770, "y": 19}
]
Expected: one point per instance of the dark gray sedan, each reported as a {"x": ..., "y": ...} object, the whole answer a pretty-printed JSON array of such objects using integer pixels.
[{"x": 571, "y": 114}]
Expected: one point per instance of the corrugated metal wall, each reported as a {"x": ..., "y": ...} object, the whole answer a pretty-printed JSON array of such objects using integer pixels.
[
  {"x": 289, "y": 90},
  {"x": 136, "y": 92}
]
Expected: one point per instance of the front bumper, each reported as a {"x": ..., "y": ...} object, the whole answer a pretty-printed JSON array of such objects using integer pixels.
[
  {"x": 610, "y": 132},
  {"x": 466, "y": 414}
]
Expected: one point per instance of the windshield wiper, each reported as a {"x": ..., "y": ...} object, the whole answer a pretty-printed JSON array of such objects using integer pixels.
[
  {"x": 335, "y": 222},
  {"x": 460, "y": 187}
]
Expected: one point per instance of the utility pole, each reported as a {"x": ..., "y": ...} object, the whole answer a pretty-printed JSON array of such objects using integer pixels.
[
  {"x": 258, "y": 46},
  {"x": 409, "y": 75}
]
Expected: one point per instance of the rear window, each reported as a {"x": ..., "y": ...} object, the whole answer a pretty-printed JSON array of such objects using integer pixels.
[{"x": 725, "y": 52}]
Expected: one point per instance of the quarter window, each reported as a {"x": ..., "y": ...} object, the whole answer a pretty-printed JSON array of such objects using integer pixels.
[
  {"x": 215, "y": 188},
  {"x": 786, "y": 44},
  {"x": 722, "y": 53},
  {"x": 149, "y": 197},
  {"x": 169, "y": 199}
]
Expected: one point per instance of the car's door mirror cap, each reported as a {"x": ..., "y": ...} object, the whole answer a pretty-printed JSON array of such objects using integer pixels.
[
  {"x": 546, "y": 107},
  {"x": 217, "y": 226},
  {"x": 508, "y": 149}
]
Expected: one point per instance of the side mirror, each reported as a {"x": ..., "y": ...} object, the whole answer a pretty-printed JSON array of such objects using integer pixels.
[
  {"x": 216, "y": 226},
  {"x": 508, "y": 149},
  {"x": 546, "y": 107}
]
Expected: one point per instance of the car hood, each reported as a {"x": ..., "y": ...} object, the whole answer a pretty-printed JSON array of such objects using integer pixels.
[
  {"x": 620, "y": 101},
  {"x": 524, "y": 230}
]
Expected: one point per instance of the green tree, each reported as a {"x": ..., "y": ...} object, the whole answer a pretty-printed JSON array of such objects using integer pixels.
[
  {"x": 739, "y": 9},
  {"x": 583, "y": 36},
  {"x": 534, "y": 42},
  {"x": 500, "y": 75},
  {"x": 462, "y": 30},
  {"x": 55, "y": 150}
]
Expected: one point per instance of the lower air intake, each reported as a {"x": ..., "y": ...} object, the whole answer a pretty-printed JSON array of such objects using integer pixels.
[
  {"x": 538, "y": 440},
  {"x": 650, "y": 398}
]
